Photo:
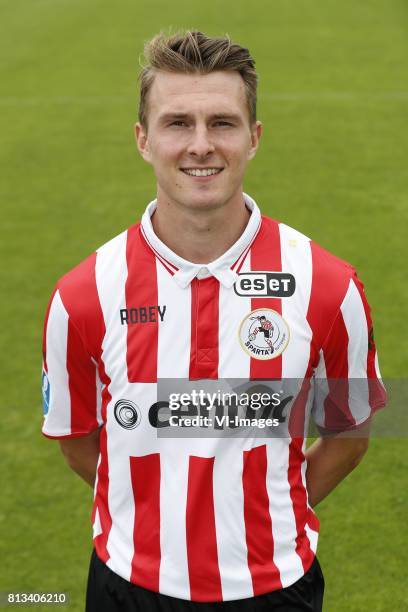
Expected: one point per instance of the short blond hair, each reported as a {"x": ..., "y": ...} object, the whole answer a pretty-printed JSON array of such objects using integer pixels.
[{"x": 193, "y": 52}]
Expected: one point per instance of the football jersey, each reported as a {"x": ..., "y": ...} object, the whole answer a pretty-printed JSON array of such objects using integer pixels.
[{"x": 205, "y": 518}]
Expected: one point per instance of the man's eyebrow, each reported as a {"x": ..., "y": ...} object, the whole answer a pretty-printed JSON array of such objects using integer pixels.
[
  {"x": 179, "y": 116},
  {"x": 169, "y": 116},
  {"x": 227, "y": 116}
]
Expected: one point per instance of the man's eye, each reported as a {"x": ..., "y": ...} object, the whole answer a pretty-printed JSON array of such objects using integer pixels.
[
  {"x": 178, "y": 123},
  {"x": 223, "y": 123}
]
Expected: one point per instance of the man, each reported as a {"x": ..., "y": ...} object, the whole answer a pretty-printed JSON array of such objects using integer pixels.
[{"x": 205, "y": 523}]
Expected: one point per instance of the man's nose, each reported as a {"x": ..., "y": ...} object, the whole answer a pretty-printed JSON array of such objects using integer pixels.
[{"x": 200, "y": 144}]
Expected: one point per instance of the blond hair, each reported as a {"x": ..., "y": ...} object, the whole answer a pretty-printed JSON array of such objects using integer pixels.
[{"x": 193, "y": 52}]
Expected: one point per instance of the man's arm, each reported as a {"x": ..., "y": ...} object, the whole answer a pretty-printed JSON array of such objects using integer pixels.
[
  {"x": 82, "y": 455},
  {"x": 330, "y": 460}
]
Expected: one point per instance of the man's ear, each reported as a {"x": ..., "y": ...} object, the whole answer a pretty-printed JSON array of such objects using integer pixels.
[
  {"x": 256, "y": 132},
  {"x": 142, "y": 141}
]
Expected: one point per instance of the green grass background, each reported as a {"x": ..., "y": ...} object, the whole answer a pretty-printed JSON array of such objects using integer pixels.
[{"x": 333, "y": 163}]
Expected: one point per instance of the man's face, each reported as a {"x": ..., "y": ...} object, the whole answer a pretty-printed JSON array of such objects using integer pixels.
[{"x": 199, "y": 139}]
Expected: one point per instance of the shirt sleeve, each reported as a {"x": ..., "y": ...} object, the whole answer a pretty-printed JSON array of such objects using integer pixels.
[
  {"x": 347, "y": 383},
  {"x": 70, "y": 381}
]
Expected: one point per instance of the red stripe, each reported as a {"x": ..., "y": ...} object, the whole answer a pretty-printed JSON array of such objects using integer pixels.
[
  {"x": 145, "y": 475},
  {"x": 141, "y": 292},
  {"x": 336, "y": 404},
  {"x": 164, "y": 264},
  {"x": 240, "y": 261},
  {"x": 258, "y": 523},
  {"x": 202, "y": 556},
  {"x": 238, "y": 270},
  {"x": 204, "y": 328},
  {"x": 102, "y": 488},
  {"x": 44, "y": 344},
  {"x": 82, "y": 384},
  {"x": 299, "y": 500},
  {"x": 297, "y": 414},
  {"x": 266, "y": 255},
  {"x": 312, "y": 520},
  {"x": 101, "y": 500}
]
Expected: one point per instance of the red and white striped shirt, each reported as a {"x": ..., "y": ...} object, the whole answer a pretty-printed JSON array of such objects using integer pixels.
[{"x": 206, "y": 519}]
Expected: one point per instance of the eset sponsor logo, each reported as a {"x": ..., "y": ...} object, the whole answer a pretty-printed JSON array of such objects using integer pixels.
[{"x": 265, "y": 284}]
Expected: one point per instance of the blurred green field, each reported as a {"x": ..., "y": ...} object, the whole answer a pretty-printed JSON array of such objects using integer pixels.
[{"x": 333, "y": 163}]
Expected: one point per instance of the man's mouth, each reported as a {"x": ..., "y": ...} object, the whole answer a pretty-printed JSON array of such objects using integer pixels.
[{"x": 201, "y": 171}]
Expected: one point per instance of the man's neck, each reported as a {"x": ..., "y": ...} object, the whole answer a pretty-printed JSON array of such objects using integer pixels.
[{"x": 198, "y": 236}]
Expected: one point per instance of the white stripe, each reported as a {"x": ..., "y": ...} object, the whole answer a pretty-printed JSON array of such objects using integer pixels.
[
  {"x": 58, "y": 419},
  {"x": 99, "y": 388},
  {"x": 234, "y": 362},
  {"x": 355, "y": 321},
  {"x": 173, "y": 353},
  {"x": 97, "y": 527},
  {"x": 229, "y": 521},
  {"x": 173, "y": 361},
  {"x": 111, "y": 275},
  {"x": 377, "y": 368},
  {"x": 96, "y": 476},
  {"x": 281, "y": 510},
  {"x": 297, "y": 260},
  {"x": 174, "y": 579},
  {"x": 312, "y": 535},
  {"x": 377, "y": 371}
]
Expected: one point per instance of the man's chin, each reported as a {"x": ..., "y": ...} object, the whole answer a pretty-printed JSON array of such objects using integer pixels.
[{"x": 204, "y": 201}]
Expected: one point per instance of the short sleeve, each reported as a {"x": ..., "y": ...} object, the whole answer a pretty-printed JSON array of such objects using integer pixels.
[
  {"x": 70, "y": 381},
  {"x": 347, "y": 382}
]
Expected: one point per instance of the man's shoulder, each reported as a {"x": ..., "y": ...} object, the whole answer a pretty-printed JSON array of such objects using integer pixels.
[
  {"x": 323, "y": 279},
  {"x": 324, "y": 262},
  {"x": 80, "y": 272},
  {"x": 80, "y": 282}
]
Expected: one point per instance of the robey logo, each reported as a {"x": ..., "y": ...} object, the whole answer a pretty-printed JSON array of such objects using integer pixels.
[
  {"x": 265, "y": 284},
  {"x": 142, "y": 314},
  {"x": 264, "y": 334}
]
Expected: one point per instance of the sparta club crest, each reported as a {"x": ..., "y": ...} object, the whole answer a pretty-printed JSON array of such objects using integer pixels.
[{"x": 264, "y": 334}]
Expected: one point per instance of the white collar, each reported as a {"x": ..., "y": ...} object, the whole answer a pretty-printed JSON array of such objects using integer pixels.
[{"x": 224, "y": 269}]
